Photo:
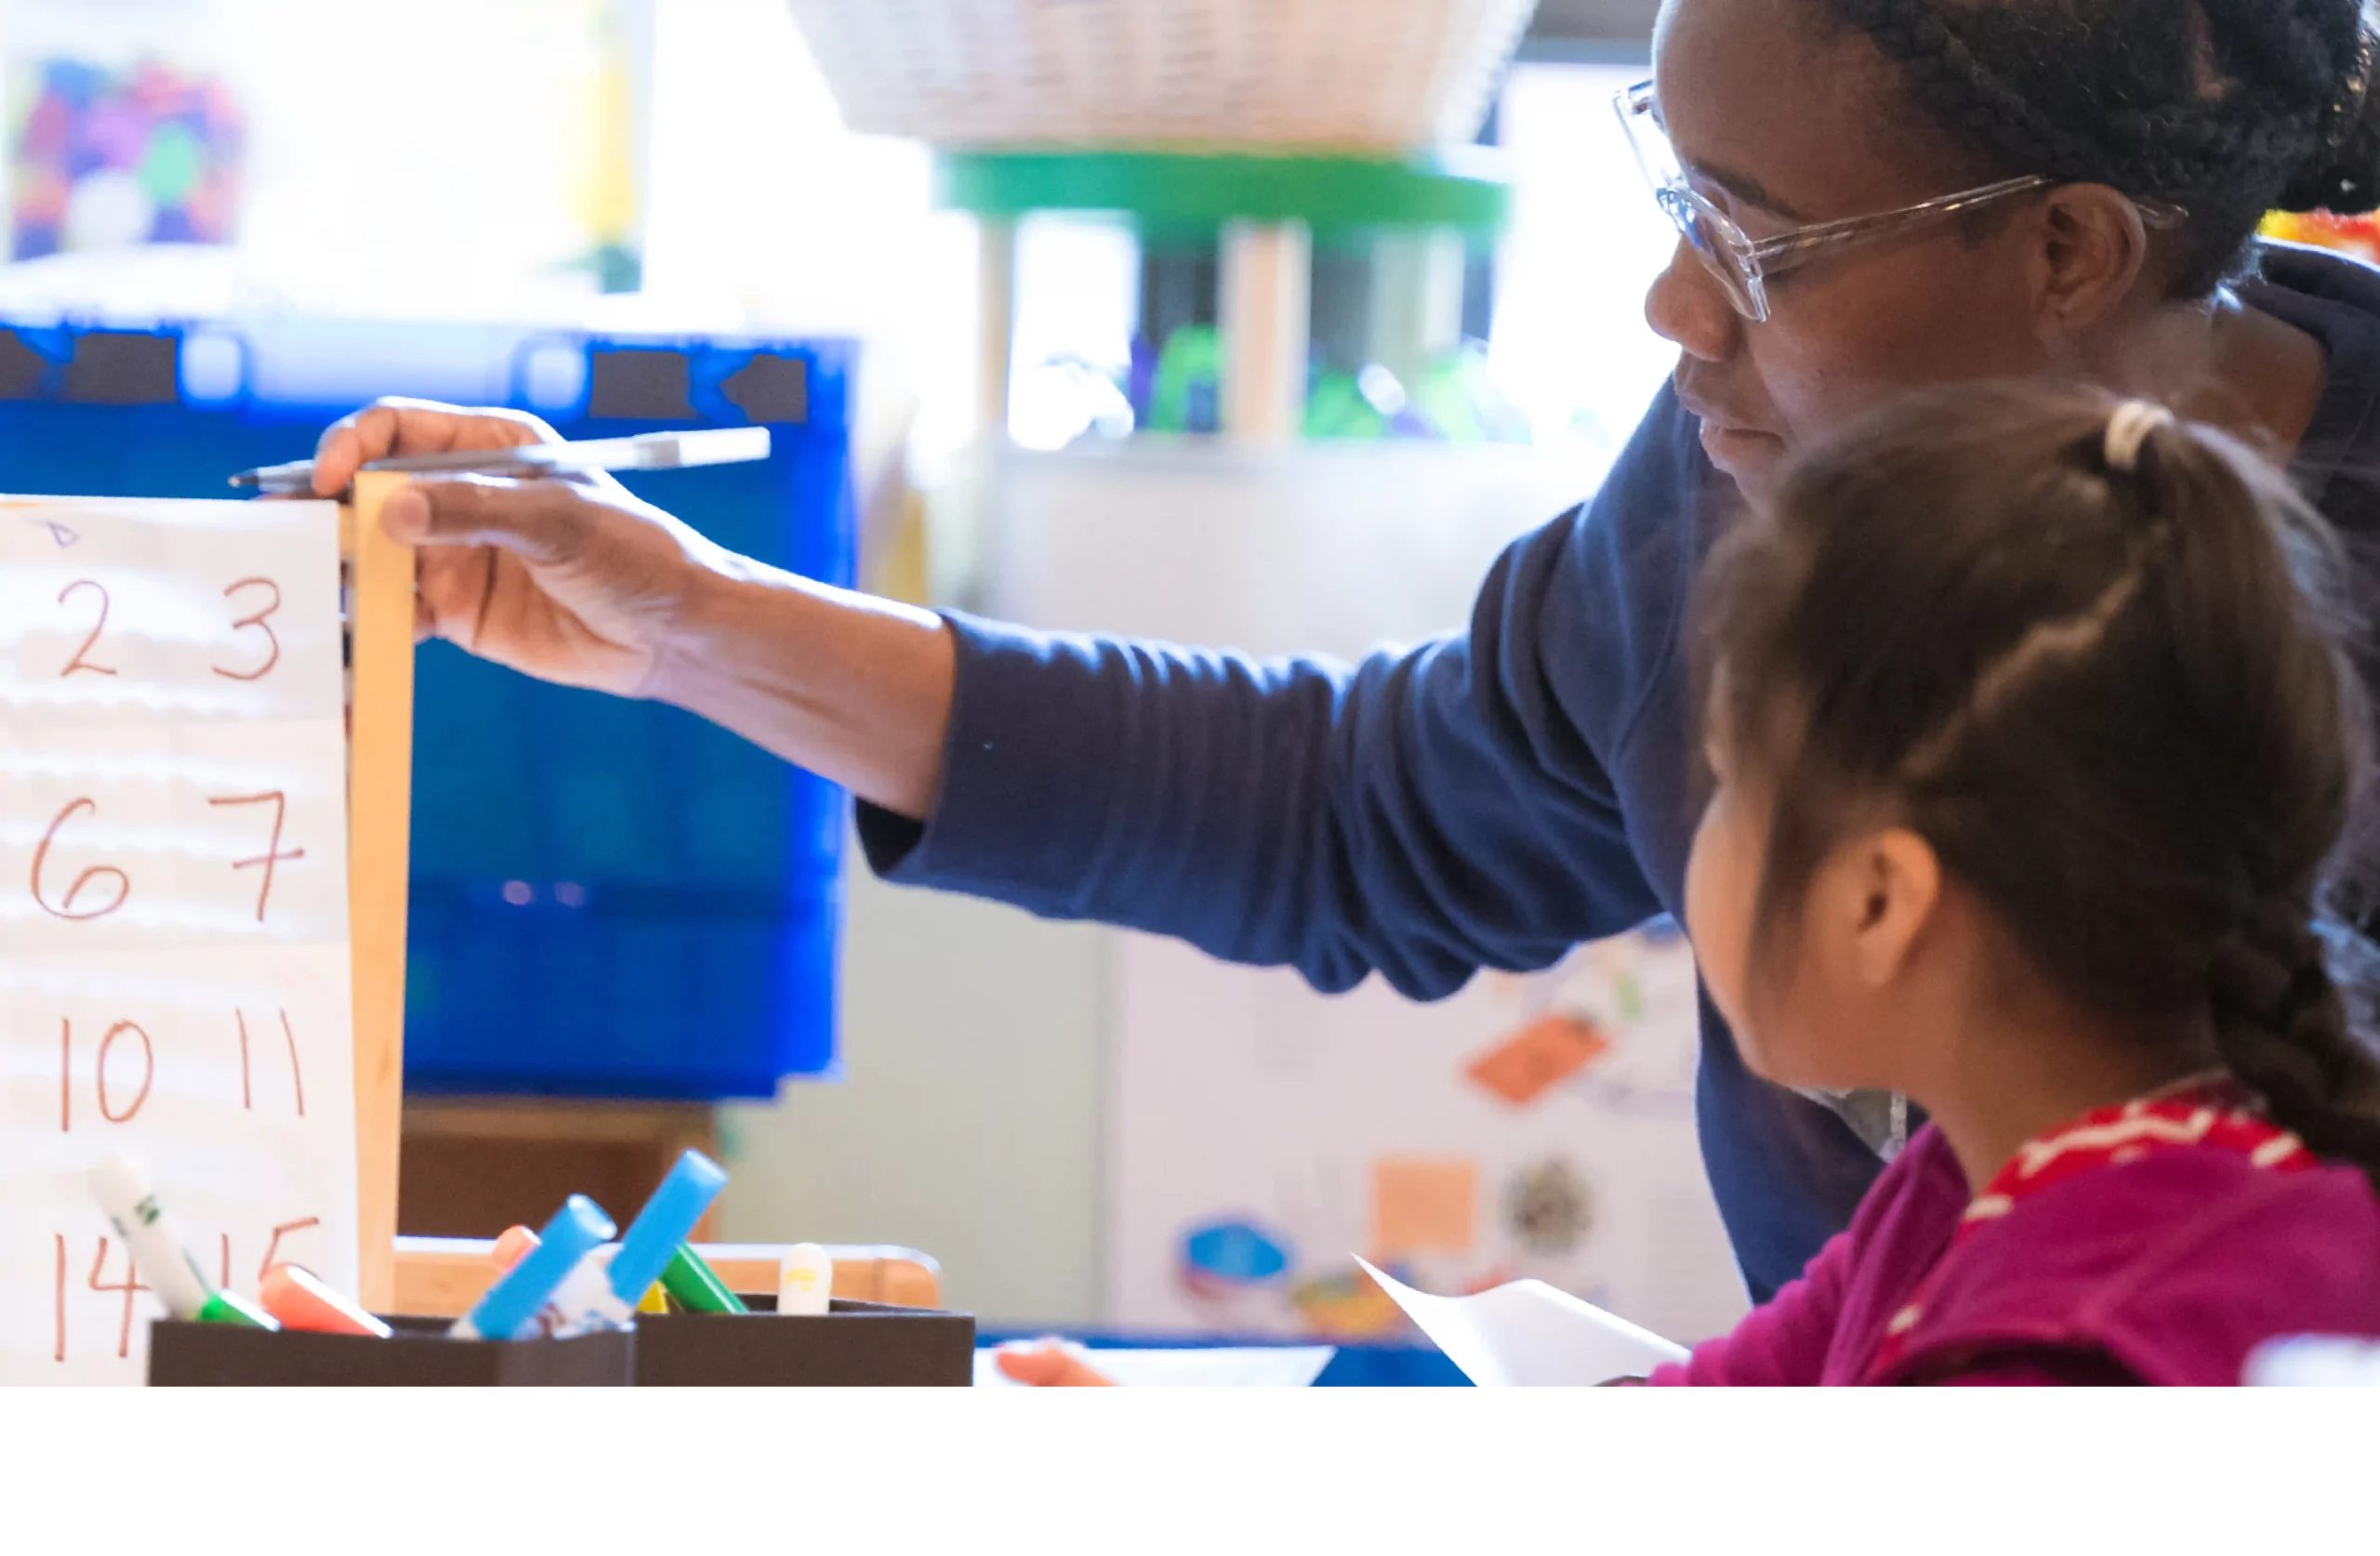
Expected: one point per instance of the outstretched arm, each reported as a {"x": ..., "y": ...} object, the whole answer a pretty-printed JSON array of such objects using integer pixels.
[{"x": 1423, "y": 814}]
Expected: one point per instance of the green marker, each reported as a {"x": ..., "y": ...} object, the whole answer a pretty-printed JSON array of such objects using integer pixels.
[
  {"x": 695, "y": 1287},
  {"x": 226, "y": 1306}
]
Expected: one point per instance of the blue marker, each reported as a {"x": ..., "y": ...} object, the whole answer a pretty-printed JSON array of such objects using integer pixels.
[
  {"x": 577, "y": 1228},
  {"x": 604, "y": 1296}
]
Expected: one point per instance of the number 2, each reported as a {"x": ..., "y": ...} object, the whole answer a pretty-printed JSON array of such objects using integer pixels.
[{"x": 78, "y": 662}]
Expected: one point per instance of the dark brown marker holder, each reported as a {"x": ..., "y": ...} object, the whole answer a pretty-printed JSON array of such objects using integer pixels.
[
  {"x": 853, "y": 1345},
  {"x": 218, "y": 1355}
]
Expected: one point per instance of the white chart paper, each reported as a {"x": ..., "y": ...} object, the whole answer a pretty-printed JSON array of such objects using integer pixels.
[
  {"x": 174, "y": 969},
  {"x": 1528, "y": 1334},
  {"x": 1247, "y": 1366}
]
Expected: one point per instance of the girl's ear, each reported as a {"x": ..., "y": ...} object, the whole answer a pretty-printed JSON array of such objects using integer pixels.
[{"x": 1891, "y": 890}]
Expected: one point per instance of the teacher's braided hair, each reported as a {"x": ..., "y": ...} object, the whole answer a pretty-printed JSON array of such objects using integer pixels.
[
  {"x": 2095, "y": 658},
  {"x": 2226, "y": 109}
]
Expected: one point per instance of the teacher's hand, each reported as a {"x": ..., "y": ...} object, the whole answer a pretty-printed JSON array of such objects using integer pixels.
[
  {"x": 570, "y": 580},
  {"x": 575, "y": 580}
]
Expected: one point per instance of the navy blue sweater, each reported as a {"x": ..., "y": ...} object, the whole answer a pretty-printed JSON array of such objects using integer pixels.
[{"x": 1488, "y": 799}]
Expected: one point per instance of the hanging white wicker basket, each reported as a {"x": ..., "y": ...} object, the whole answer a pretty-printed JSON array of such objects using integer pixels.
[{"x": 1361, "y": 75}]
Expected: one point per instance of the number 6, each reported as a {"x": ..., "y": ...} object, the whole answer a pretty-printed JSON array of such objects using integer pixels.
[{"x": 65, "y": 908}]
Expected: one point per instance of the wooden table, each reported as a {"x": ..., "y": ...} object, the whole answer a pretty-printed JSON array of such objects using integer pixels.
[{"x": 440, "y": 1277}]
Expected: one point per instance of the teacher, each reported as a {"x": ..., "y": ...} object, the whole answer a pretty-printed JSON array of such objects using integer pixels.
[{"x": 1870, "y": 194}]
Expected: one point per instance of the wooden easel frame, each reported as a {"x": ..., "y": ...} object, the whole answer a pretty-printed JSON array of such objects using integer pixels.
[
  {"x": 379, "y": 817},
  {"x": 444, "y": 1276}
]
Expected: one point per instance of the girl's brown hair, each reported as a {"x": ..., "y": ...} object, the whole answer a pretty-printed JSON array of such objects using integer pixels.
[{"x": 2111, "y": 693}]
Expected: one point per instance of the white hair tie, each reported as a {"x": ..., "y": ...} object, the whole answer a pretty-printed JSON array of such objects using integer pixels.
[{"x": 2129, "y": 428}]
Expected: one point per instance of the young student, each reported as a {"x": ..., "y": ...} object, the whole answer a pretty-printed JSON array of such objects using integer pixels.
[{"x": 2032, "y": 741}]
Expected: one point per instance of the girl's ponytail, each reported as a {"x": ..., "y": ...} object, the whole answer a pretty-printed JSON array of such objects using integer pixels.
[
  {"x": 2238, "y": 562},
  {"x": 2281, "y": 1025},
  {"x": 2096, "y": 657}
]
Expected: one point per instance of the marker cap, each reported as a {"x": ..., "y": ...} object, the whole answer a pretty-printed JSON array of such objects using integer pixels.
[
  {"x": 666, "y": 1220},
  {"x": 695, "y": 1286},
  {"x": 513, "y": 1246},
  {"x": 227, "y": 1307},
  {"x": 300, "y": 1299},
  {"x": 576, "y": 1230},
  {"x": 156, "y": 1245},
  {"x": 805, "y": 1280}
]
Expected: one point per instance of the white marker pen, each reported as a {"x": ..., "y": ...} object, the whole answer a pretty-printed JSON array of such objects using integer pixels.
[{"x": 158, "y": 1250}]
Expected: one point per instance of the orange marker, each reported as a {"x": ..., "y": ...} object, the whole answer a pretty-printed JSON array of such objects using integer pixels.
[
  {"x": 294, "y": 1296},
  {"x": 513, "y": 1246}
]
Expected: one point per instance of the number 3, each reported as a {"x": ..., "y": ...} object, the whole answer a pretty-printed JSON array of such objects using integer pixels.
[{"x": 258, "y": 621}]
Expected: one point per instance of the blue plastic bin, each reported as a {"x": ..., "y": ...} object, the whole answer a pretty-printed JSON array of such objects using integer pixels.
[{"x": 609, "y": 898}]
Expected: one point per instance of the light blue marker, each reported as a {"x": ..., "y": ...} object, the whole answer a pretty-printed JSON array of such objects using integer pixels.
[
  {"x": 666, "y": 1220},
  {"x": 577, "y": 1228}
]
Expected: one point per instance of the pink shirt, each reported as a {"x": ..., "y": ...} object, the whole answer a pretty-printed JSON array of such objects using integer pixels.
[{"x": 2158, "y": 1242}]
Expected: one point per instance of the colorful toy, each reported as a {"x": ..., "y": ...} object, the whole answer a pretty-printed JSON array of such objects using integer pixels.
[{"x": 103, "y": 158}]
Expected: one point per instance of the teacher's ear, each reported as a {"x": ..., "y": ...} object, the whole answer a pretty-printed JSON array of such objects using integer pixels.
[{"x": 2089, "y": 247}]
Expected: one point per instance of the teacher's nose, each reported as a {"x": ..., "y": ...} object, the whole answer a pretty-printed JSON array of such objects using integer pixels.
[{"x": 1686, "y": 308}]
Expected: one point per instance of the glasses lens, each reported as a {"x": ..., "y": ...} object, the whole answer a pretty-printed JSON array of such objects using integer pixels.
[
  {"x": 1695, "y": 220},
  {"x": 1655, "y": 157},
  {"x": 1700, "y": 226}
]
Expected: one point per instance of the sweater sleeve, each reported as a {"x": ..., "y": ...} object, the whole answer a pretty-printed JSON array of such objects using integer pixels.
[
  {"x": 1782, "y": 1343},
  {"x": 1425, "y": 813}
]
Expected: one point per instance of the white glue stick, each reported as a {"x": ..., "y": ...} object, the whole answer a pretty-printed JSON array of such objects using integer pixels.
[
  {"x": 158, "y": 1251},
  {"x": 583, "y": 1303},
  {"x": 805, "y": 1280}
]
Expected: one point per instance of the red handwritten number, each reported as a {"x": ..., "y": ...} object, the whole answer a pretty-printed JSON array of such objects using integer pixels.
[
  {"x": 258, "y": 621},
  {"x": 130, "y": 1286},
  {"x": 60, "y": 1354},
  {"x": 148, "y": 1071},
  {"x": 66, "y": 1072},
  {"x": 272, "y": 1249},
  {"x": 65, "y": 908},
  {"x": 226, "y": 1282},
  {"x": 297, "y": 1073},
  {"x": 273, "y": 853},
  {"x": 297, "y": 1076},
  {"x": 78, "y": 662}
]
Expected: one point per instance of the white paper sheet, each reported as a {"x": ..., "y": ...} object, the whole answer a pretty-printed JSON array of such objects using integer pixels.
[
  {"x": 1528, "y": 1334},
  {"x": 173, "y": 972},
  {"x": 1254, "y": 1367}
]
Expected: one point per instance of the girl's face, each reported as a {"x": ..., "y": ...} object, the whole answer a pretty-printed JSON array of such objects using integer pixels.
[
  {"x": 1836, "y": 1006},
  {"x": 1722, "y": 896}
]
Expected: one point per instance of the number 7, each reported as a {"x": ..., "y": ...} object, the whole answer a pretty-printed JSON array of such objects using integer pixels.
[{"x": 273, "y": 853}]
